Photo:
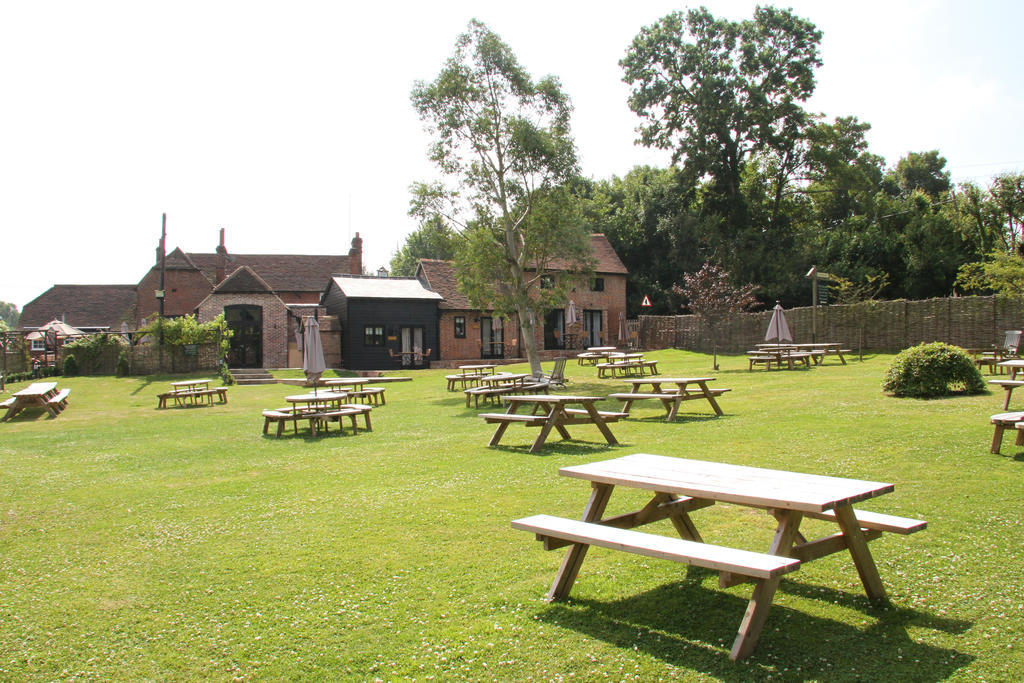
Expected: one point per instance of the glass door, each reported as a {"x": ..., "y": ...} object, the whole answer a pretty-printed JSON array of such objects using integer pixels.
[
  {"x": 592, "y": 327},
  {"x": 412, "y": 346},
  {"x": 492, "y": 338}
]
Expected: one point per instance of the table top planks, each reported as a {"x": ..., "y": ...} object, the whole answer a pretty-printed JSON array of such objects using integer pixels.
[{"x": 740, "y": 484}]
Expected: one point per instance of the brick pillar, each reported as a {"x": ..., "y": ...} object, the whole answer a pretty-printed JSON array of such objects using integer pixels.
[
  {"x": 355, "y": 256},
  {"x": 222, "y": 259}
]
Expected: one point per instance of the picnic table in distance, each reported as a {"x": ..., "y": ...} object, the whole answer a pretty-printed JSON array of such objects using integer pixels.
[
  {"x": 672, "y": 398},
  {"x": 680, "y": 486},
  {"x": 556, "y": 415},
  {"x": 37, "y": 395},
  {"x": 192, "y": 392}
]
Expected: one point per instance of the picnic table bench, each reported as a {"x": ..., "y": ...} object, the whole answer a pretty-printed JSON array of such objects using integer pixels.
[
  {"x": 627, "y": 368},
  {"x": 317, "y": 418},
  {"x": 556, "y": 415},
  {"x": 671, "y": 399},
  {"x": 680, "y": 486},
  {"x": 766, "y": 358},
  {"x": 37, "y": 395}
]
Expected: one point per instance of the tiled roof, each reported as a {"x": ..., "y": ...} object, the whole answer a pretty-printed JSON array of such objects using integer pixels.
[
  {"x": 360, "y": 287},
  {"x": 440, "y": 277},
  {"x": 607, "y": 260},
  {"x": 282, "y": 272},
  {"x": 81, "y": 306},
  {"x": 243, "y": 281}
]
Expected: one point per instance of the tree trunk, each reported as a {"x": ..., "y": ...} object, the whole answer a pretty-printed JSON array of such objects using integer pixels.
[{"x": 528, "y": 339}]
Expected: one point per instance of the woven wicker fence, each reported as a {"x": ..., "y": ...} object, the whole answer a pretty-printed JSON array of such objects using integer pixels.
[{"x": 970, "y": 322}]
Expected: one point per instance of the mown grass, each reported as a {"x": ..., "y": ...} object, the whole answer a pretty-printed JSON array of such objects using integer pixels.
[{"x": 138, "y": 543}]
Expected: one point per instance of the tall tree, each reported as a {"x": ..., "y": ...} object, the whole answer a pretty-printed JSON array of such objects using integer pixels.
[
  {"x": 714, "y": 91},
  {"x": 503, "y": 142},
  {"x": 433, "y": 240}
]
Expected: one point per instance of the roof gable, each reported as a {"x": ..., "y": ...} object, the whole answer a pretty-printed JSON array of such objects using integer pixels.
[{"x": 243, "y": 281}]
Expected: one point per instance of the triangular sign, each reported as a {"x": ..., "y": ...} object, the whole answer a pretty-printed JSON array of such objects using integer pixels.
[{"x": 646, "y": 301}]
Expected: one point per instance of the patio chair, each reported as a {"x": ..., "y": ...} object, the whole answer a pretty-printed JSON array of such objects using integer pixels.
[
  {"x": 1011, "y": 343},
  {"x": 557, "y": 375}
]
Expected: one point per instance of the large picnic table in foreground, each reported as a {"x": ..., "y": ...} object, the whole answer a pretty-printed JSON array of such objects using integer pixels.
[
  {"x": 555, "y": 413},
  {"x": 37, "y": 395},
  {"x": 680, "y": 486}
]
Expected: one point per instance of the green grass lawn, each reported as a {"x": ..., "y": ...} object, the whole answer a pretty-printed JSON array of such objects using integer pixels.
[{"x": 138, "y": 543}]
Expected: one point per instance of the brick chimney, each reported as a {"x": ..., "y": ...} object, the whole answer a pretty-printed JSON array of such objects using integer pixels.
[
  {"x": 222, "y": 259},
  {"x": 355, "y": 256}
]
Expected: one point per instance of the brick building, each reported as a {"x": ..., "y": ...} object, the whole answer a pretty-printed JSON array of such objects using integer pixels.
[{"x": 467, "y": 333}]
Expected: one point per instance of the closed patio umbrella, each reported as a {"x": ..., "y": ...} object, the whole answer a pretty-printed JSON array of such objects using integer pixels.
[
  {"x": 570, "y": 316},
  {"x": 623, "y": 334},
  {"x": 777, "y": 327},
  {"x": 312, "y": 351}
]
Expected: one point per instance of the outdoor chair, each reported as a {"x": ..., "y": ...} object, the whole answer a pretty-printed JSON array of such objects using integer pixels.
[
  {"x": 557, "y": 375},
  {"x": 1009, "y": 349}
]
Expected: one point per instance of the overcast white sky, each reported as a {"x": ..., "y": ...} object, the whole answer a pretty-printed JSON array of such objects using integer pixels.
[{"x": 289, "y": 123}]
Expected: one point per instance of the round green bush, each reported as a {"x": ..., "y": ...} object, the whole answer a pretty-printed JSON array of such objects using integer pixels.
[
  {"x": 70, "y": 365},
  {"x": 930, "y": 370}
]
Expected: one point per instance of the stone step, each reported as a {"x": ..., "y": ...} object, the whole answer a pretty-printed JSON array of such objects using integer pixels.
[{"x": 251, "y": 376}]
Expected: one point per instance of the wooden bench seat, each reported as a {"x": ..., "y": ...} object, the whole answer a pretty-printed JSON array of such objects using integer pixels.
[
  {"x": 1002, "y": 422},
  {"x": 579, "y": 414},
  {"x": 8, "y": 403},
  {"x": 351, "y": 411},
  {"x": 471, "y": 378},
  {"x": 718, "y": 558},
  {"x": 494, "y": 418},
  {"x": 374, "y": 395},
  {"x": 488, "y": 393},
  {"x": 60, "y": 399},
  {"x": 876, "y": 521}
]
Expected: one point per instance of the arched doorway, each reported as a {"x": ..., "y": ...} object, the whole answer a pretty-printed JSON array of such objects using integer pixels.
[{"x": 246, "y": 324}]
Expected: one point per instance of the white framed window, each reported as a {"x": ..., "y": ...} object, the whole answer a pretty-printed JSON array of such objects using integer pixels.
[{"x": 39, "y": 345}]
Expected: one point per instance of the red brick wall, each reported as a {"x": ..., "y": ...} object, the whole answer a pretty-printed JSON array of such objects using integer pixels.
[
  {"x": 275, "y": 322},
  {"x": 184, "y": 290},
  {"x": 610, "y": 302}
]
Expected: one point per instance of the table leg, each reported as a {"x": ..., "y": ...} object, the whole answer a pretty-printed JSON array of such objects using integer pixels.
[
  {"x": 711, "y": 398},
  {"x": 764, "y": 589},
  {"x": 502, "y": 426},
  {"x": 566, "y": 576},
  {"x": 858, "y": 547},
  {"x": 599, "y": 421},
  {"x": 553, "y": 421}
]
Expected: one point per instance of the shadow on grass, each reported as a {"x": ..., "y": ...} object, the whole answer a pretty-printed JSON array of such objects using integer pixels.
[
  {"x": 681, "y": 418},
  {"x": 687, "y": 625},
  {"x": 555, "y": 446}
]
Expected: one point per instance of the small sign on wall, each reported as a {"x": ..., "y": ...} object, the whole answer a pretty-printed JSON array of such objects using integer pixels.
[{"x": 392, "y": 338}]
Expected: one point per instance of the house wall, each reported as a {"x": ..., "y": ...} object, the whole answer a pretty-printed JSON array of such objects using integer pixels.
[
  {"x": 184, "y": 290},
  {"x": 275, "y": 322},
  {"x": 611, "y": 302},
  {"x": 392, "y": 315}
]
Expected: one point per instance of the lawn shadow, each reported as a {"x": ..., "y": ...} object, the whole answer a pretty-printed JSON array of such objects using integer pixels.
[
  {"x": 681, "y": 418},
  {"x": 555, "y": 446},
  {"x": 688, "y": 625}
]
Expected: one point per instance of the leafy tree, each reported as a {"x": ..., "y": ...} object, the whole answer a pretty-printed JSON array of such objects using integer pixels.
[
  {"x": 715, "y": 92},
  {"x": 503, "y": 140},
  {"x": 920, "y": 171},
  {"x": 711, "y": 296},
  {"x": 433, "y": 240},
  {"x": 9, "y": 314},
  {"x": 1001, "y": 274}
]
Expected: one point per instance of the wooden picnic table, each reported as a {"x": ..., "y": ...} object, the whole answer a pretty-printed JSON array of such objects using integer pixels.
[
  {"x": 355, "y": 388},
  {"x": 504, "y": 378},
  {"x": 37, "y": 395},
  {"x": 681, "y": 486},
  {"x": 193, "y": 391},
  {"x": 479, "y": 369},
  {"x": 555, "y": 415},
  {"x": 312, "y": 401},
  {"x": 670, "y": 398}
]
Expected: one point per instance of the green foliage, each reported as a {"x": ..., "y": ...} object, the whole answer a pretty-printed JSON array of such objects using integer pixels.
[
  {"x": 9, "y": 316},
  {"x": 70, "y": 368},
  {"x": 433, "y": 240},
  {"x": 920, "y": 172},
  {"x": 932, "y": 370},
  {"x": 225, "y": 375},
  {"x": 502, "y": 141},
  {"x": 1001, "y": 274},
  {"x": 123, "y": 366},
  {"x": 88, "y": 349},
  {"x": 186, "y": 330}
]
